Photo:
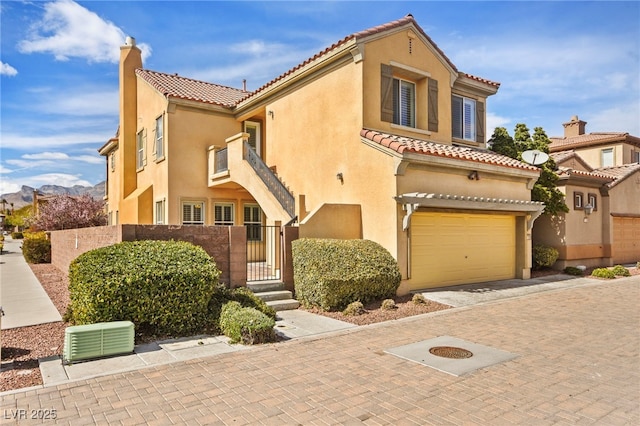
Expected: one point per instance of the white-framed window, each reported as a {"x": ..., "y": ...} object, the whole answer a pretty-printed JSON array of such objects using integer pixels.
[
  {"x": 193, "y": 213},
  {"x": 223, "y": 214},
  {"x": 592, "y": 200},
  {"x": 253, "y": 222},
  {"x": 160, "y": 213},
  {"x": 253, "y": 128},
  {"x": 112, "y": 161},
  {"x": 578, "y": 200},
  {"x": 159, "y": 142},
  {"x": 607, "y": 157},
  {"x": 140, "y": 143},
  {"x": 463, "y": 118},
  {"x": 404, "y": 103}
]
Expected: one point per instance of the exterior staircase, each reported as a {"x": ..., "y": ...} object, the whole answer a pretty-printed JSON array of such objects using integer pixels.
[{"x": 274, "y": 294}]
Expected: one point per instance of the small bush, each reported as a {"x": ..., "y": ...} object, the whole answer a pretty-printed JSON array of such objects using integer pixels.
[
  {"x": 17, "y": 235},
  {"x": 544, "y": 257},
  {"x": 36, "y": 250},
  {"x": 419, "y": 299},
  {"x": 242, "y": 295},
  {"x": 163, "y": 287},
  {"x": 572, "y": 270},
  {"x": 603, "y": 273},
  {"x": 621, "y": 271},
  {"x": 354, "y": 308},
  {"x": 246, "y": 325},
  {"x": 388, "y": 305},
  {"x": 333, "y": 273}
]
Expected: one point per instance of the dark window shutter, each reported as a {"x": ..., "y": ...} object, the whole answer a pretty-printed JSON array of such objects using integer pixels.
[
  {"x": 433, "y": 105},
  {"x": 480, "y": 122},
  {"x": 456, "y": 117},
  {"x": 386, "y": 93}
]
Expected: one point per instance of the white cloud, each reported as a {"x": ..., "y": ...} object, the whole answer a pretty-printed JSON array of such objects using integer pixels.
[
  {"x": 84, "y": 101},
  {"x": 4, "y": 170},
  {"x": 623, "y": 118},
  {"x": 52, "y": 141},
  {"x": 8, "y": 70},
  {"x": 494, "y": 121},
  {"x": 46, "y": 156},
  {"x": 70, "y": 30}
]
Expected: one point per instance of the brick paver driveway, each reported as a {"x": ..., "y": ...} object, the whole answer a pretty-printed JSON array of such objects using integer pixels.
[{"x": 578, "y": 363}]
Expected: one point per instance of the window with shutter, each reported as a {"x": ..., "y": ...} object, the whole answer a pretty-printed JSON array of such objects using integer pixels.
[
  {"x": 193, "y": 213},
  {"x": 160, "y": 212},
  {"x": 463, "y": 118},
  {"x": 140, "y": 143},
  {"x": 253, "y": 222},
  {"x": 253, "y": 128},
  {"x": 224, "y": 214},
  {"x": 433, "y": 105},
  {"x": 386, "y": 93},
  {"x": 159, "y": 143}
]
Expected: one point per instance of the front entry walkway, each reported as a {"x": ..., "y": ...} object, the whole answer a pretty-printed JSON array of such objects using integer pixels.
[{"x": 22, "y": 298}]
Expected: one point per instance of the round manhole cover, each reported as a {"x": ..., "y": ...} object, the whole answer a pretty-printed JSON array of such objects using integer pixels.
[{"x": 450, "y": 352}]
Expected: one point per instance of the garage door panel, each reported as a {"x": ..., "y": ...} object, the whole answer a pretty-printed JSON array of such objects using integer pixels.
[
  {"x": 457, "y": 248},
  {"x": 626, "y": 240}
]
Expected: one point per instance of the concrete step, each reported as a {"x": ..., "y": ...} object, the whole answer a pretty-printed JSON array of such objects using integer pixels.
[
  {"x": 262, "y": 286},
  {"x": 268, "y": 296},
  {"x": 284, "y": 305}
]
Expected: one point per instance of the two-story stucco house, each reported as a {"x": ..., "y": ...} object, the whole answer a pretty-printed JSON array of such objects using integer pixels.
[
  {"x": 378, "y": 136},
  {"x": 600, "y": 177}
]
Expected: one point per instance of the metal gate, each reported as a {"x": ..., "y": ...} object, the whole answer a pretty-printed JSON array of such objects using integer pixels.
[{"x": 263, "y": 252}]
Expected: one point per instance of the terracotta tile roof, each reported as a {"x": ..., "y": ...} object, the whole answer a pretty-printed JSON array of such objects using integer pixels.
[
  {"x": 569, "y": 172},
  {"x": 561, "y": 156},
  {"x": 403, "y": 144},
  {"x": 590, "y": 139},
  {"x": 408, "y": 19},
  {"x": 173, "y": 85},
  {"x": 619, "y": 173}
]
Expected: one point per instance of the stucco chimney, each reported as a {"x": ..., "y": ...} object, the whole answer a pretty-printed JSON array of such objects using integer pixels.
[
  {"x": 574, "y": 127},
  {"x": 130, "y": 59}
]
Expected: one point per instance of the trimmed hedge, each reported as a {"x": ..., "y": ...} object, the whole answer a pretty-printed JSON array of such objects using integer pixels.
[
  {"x": 163, "y": 287},
  {"x": 333, "y": 273},
  {"x": 242, "y": 295},
  {"x": 36, "y": 250},
  {"x": 246, "y": 325},
  {"x": 543, "y": 256}
]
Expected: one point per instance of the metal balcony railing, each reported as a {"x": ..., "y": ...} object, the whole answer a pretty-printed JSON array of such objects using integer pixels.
[
  {"x": 221, "y": 163},
  {"x": 273, "y": 183}
]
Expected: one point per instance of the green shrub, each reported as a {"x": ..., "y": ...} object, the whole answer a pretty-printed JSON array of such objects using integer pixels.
[
  {"x": 388, "y": 305},
  {"x": 333, "y": 273},
  {"x": 419, "y": 299},
  {"x": 603, "y": 273},
  {"x": 163, "y": 287},
  {"x": 621, "y": 271},
  {"x": 572, "y": 270},
  {"x": 242, "y": 295},
  {"x": 246, "y": 325},
  {"x": 36, "y": 250},
  {"x": 17, "y": 235},
  {"x": 354, "y": 308},
  {"x": 543, "y": 256}
]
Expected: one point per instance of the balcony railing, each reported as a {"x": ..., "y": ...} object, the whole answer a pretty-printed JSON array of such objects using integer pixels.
[
  {"x": 273, "y": 183},
  {"x": 221, "y": 163}
]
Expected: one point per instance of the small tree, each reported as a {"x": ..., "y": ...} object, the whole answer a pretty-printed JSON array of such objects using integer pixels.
[
  {"x": 545, "y": 189},
  {"x": 66, "y": 212}
]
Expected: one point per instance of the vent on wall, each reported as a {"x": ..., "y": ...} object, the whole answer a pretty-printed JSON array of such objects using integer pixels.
[{"x": 83, "y": 342}]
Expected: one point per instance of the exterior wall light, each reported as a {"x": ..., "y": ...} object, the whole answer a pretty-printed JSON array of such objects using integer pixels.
[
  {"x": 340, "y": 177},
  {"x": 588, "y": 209}
]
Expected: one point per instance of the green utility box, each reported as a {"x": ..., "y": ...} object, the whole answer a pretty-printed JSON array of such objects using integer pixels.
[{"x": 82, "y": 342}]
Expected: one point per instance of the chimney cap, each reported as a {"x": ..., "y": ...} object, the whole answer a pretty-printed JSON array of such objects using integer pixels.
[{"x": 129, "y": 41}]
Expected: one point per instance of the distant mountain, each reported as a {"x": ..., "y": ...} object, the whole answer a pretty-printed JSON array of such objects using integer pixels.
[{"x": 25, "y": 195}]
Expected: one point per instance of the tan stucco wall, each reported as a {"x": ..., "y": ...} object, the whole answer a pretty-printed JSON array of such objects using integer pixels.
[
  {"x": 625, "y": 196},
  {"x": 593, "y": 155},
  {"x": 340, "y": 221}
]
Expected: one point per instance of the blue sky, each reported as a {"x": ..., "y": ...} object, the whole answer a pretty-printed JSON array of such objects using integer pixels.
[{"x": 59, "y": 70}]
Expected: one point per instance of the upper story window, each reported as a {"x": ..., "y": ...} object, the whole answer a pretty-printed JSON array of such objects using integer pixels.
[
  {"x": 607, "y": 157},
  {"x": 223, "y": 214},
  {"x": 140, "y": 143},
  {"x": 404, "y": 103},
  {"x": 193, "y": 213},
  {"x": 463, "y": 118},
  {"x": 159, "y": 143},
  {"x": 112, "y": 161},
  {"x": 253, "y": 128},
  {"x": 578, "y": 200}
]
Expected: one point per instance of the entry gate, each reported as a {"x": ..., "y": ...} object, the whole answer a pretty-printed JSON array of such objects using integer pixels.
[{"x": 264, "y": 252}]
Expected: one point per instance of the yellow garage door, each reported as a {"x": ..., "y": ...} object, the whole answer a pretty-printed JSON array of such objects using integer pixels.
[
  {"x": 626, "y": 240},
  {"x": 458, "y": 248}
]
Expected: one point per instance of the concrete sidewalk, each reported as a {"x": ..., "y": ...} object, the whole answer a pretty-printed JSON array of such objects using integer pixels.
[{"x": 22, "y": 298}]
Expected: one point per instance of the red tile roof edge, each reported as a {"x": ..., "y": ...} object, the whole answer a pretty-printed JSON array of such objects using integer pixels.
[
  {"x": 441, "y": 150},
  {"x": 150, "y": 77},
  {"x": 366, "y": 33}
]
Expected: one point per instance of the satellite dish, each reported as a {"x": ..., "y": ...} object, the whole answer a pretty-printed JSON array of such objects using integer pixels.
[{"x": 535, "y": 157}]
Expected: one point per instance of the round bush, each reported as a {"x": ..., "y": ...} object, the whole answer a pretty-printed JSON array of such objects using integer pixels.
[
  {"x": 163, "y": 287},
  {"x": 354, "y": 308},
  {"x": 621, "y": 271},
  {"x": 36, "y": 250},
  {"x": 603, "y": 273},
  {"x": 246, "y": 325},
  {"x": 544, "y": 257}
]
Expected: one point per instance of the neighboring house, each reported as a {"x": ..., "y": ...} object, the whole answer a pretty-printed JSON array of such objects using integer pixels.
[
  {"x": 600, "y": 177},
  {"x": 379, "y": 136}
]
